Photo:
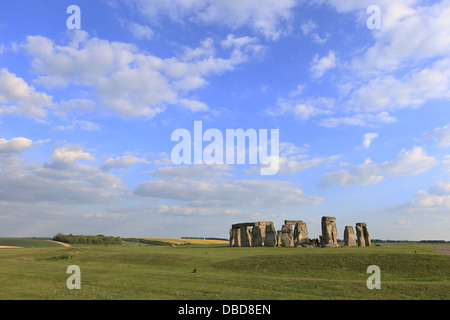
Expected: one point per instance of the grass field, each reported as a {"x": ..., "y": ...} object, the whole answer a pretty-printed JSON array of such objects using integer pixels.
[
  {"x": 408, "y": 271},
  {"x": 27, "y": 242}
]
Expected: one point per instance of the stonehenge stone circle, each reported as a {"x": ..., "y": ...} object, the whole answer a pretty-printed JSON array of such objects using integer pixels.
[
  {"x": 287, "y": 238},
  {"x": 329, "y": 232},
  {"x": 256, "y": 234},
  {"x": 271, "y": 236},
  {"x": 294, "y": 233},
  {"x": 349, "y": 237},
  {"x": 301, "y": 237},
  {"x": 362, "y": 234}
]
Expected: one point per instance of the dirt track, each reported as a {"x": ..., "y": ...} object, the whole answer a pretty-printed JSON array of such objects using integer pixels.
[
  {"x": 6, "y": 247},
  {"x": 61, "y": 243},
  {"x": 443, "y": 249}
]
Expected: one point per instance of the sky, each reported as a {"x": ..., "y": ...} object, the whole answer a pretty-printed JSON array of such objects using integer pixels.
[{"x": 90, "y": 99}]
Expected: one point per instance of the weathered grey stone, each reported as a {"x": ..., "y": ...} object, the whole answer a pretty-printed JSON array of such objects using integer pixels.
[
  {"x": 349, "y": 237},
  {"x": 287, "y": 238},
  {"x": 246, "y": 236},
  {"x": 292, "y": 222},
  {"x": 301, "y": 237},
  {"x": 329, "y": 232},
  {"x": 278, "y": 238},
  {"x": 249, "y": 234},
  {"x": 360, "y": 236},
  {"x": 231, "y": 238},
  {"x": 365, "y": 233},
  {"x": 270, "y": 239},
  {"x": 258, "y": 235},
  {"x": 237, "y": 237}
]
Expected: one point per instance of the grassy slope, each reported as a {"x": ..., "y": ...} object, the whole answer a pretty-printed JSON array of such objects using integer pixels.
[
  {"x": 155, "y": 272},
  {"x": 27, "y": 242}
]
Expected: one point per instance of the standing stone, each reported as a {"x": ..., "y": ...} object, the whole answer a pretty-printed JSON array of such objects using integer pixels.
[
  {"x": 301, "y": 237},
  {"x": 231, "y": 238},
  {"x": 246, "y": 236},
  {"x": 365, "y": 233},
  {"x": 258, "y": 233},
  {"x": 237, "y": 237},
  {"x": 349, "y": 237},
  {"x": 360, "y": 236},
  {"x": 287, "y": 238},
  {"x": 270, "y": 239},
  {"x": 329, "y": 232}
]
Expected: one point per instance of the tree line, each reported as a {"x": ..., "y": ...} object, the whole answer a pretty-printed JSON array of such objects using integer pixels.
[{"x": 83, "y": 239}]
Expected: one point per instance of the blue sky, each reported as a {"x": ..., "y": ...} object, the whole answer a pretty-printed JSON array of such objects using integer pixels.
[{"x": 86, "y": 115}]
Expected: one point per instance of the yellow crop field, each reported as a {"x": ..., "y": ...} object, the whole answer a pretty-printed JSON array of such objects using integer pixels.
[
  {"x": 191, "y": 241},
  {"x": 205, "y": 241}
]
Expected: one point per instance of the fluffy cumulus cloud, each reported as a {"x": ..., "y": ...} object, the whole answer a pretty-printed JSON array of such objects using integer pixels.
[
  {"x": 16, "y": 96},
  {"x": 131, "y": 82},
  {"x": 320, "y": 65},
  {"x": 300, "y": 108},
  {"x": 435, "y": 201},
  {"x": 214, "y": 186},
  {"x": 270, "y": 18},
  {"x": 368, "y": 137},
  {"x": 442, "y": 135},
  {"x": 122, "y": 162},
  {"x": 69, "y": 154},
  {"x": 413, "y": 37},
  {"x": 412, "y": 90},
  {"x": 14, "y": 145},
  {"x": 407, "y": 163},
  {"x": 406, "y": 66},
  {"x": 63, "y": 180}
]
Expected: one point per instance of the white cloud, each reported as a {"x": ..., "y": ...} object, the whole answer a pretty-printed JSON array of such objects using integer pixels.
[
  {"x": 308, "y": 26},
  {"x": 359, "y": 119},
  {"x": 68, "y": 154},
  {"x": 407, "y": 163},
  {"x": 302, "y": 109},
  {"x": 320, "y": 66},
  {"x": 368, "y": 137},
  {"x": 122, "y": 162},
  {"x": 270, "y": 18},
  {"x": 412, "y": 90},
  {"x": 79, "y": 124},
  {"x": 71, "y": 184},
  {"x": 194, "y": 171},
  {"x": 440, "y": 188},
  {"x": 293, "y": 159},
  {"x": 16, "y": 96},
  {"x": 218, "y": 192},
  {"x": 14, "y": 145},
  {"x": 73, "y": 106},
  {"x": 425, "y": 203},
  {"x": 139, "y": 31},
  {"x": 442, "y": 135},
  {"x": 411, "y": 31},
  {"x": 406, "y": 67},
  {"x": 363, "y": 174},
  {"x": 128, "y": 81},
  {"x": 317, "y": 39}
]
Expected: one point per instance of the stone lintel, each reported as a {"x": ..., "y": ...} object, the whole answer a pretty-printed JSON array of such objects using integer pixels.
[{"x": 292, "y": 222}]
